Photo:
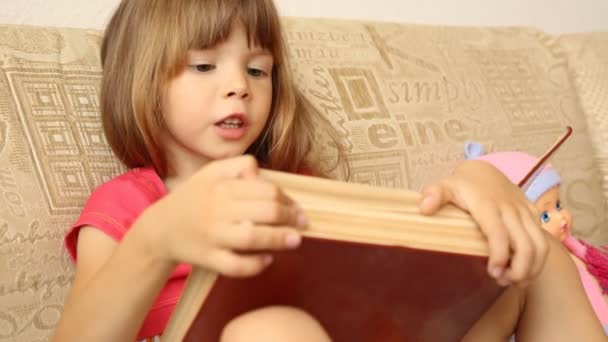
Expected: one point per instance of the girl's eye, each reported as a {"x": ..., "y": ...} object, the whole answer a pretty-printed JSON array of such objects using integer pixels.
[
  {"x": 544, "y": 216},
  {"x": 256, "y": 72},
  {"x": 558, "y": 205},
  {"x": 204, "y": 67}
]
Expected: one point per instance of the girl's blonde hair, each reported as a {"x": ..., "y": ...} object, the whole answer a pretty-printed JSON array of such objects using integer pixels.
[{"x": 146, "y": 44}]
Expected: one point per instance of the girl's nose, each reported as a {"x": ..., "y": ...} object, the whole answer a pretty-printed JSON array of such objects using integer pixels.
[{"x": 236, "y": 86}]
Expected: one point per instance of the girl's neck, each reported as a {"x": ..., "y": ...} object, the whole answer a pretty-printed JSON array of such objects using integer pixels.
[
  {"x": 171, "y": 183},
  {"x": 175, "y": 177},
  {"x": 180, "y": 168}
]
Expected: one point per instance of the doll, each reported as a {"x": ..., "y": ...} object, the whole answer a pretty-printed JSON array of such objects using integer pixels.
[{"x": 591, "y": 262}]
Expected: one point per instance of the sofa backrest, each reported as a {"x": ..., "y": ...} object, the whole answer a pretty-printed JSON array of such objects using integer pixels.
[
  {"x": 588, "y": 64},
  {"x": 403, "y": 98}
]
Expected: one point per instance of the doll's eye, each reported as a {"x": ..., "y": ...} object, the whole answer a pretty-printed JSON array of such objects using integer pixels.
[
  {"x": 544, "y": 216},
  {"x": 558, "y": 205}
]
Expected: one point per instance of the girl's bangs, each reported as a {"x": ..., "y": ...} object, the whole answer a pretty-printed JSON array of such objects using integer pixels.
[{"x": 211, "y": 22}]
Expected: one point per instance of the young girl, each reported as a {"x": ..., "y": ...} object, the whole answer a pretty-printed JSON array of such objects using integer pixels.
[
  {"x": 190, "y": 86},
  {"x": 591, "y": 263}
]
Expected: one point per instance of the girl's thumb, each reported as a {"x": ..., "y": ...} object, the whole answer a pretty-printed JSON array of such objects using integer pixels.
[
  {"x": 238, "y": 167},
  {"x": 433, "y": 198}
]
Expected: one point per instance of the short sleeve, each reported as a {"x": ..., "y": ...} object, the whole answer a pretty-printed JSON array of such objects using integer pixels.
[{"x": 115, "y": 205}]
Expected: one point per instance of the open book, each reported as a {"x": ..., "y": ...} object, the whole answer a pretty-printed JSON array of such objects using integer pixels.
[{"x": 370, "y": 268}]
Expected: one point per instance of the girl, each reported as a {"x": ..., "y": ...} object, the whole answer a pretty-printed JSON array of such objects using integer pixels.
[
  {"x": 591, "y": 263},
  {"x": 188, "y": 87}
]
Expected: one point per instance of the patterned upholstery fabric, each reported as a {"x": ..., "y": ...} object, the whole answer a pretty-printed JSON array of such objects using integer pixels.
[
  {"x": 404, "y": 99},
  {"x": 588, "y": 59},
  {"x": 52, "y": 155}
]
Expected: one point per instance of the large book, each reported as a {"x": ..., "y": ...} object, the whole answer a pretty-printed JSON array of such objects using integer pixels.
[{"x": 370, "y": 268}]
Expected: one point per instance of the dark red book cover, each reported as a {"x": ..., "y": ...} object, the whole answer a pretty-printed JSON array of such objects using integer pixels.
[{"x": 360, "y": 292}]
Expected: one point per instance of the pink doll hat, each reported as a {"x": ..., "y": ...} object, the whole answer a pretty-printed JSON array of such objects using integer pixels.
[{"x": 515, "y": 165}]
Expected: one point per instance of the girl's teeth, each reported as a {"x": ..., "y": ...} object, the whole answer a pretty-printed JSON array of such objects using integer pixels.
[{"x": 230, "y": 125}]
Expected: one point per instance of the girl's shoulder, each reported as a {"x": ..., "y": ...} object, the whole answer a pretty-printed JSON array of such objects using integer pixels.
[
  {"x": 135, "y": 182},
  {"x": 127, "y": 194},
  {"x": 115, "y": 204}
]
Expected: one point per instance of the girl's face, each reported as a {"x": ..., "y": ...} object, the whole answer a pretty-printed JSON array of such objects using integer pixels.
[
  {"x": 554, "y": 218},
  {"x": 218, "y": 105}
]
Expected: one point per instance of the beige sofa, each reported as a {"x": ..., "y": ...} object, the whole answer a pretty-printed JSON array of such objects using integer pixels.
[{"x": 403, "y": 97}]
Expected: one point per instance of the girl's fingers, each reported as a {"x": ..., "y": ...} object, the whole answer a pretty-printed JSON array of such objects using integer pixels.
[
  {"x": 246, "y": 236},
  {"x": 489, "y": 219},
  {"x": 524, "y": 254},
  {"x": 267, "y": 212},
  {"x": 255, "y": 189},
  {"x": 434, "y": 197},
  {"x": 531, "y": 223},
  {"x": 232, "y": 264},
  {"x": 237, "y": 167},
  {"x": 260, "y": 202}
]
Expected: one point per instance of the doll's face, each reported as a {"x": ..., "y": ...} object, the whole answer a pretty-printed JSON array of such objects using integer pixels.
[{"x": 554, "y": 218}]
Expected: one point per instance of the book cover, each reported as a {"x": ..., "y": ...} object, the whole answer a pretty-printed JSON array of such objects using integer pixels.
[
  {"x": 370, "y": 268},
  {"x": 360, "y": 292}
]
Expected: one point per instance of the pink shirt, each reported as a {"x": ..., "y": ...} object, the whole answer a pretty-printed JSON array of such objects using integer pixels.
[{"x": 112, "y": 208}]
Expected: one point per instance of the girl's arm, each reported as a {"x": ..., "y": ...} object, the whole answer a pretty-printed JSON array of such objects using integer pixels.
[
  {"x": 517, "y": 246},
  {"x": 223, "y": 209},
  {"x": 114, "y": 285}
]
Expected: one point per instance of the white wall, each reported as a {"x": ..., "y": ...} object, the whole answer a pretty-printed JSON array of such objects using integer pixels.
[{"x": 555, "y": 16}]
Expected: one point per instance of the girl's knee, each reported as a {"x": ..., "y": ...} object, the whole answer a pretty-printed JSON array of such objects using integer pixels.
[{"x": 277, "y": 323}]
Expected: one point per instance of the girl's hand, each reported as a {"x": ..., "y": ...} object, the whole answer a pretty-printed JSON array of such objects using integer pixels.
[
  {"x": 226, "y": 219},
  {"x": 517, "y": 244}
]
